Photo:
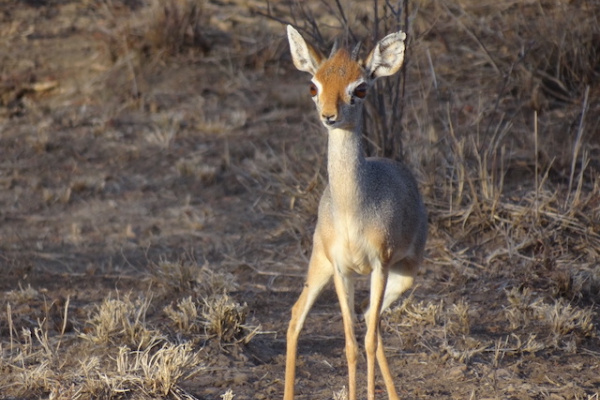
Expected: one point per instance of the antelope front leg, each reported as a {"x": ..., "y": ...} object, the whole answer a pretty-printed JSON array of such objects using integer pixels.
[
  {"x": 343, "y": 290},
  {"x": 319, "y": 273},
  {"x": 372, "y": 337}
]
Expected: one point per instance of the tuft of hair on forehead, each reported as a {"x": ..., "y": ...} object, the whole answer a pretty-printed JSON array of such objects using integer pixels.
[{"x": 340, "y": 65}]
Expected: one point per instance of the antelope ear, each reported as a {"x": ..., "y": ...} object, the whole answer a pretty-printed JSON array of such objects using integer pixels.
[
  {"x": 387, "y": 56},
  {"x": 306, "y": 58}
]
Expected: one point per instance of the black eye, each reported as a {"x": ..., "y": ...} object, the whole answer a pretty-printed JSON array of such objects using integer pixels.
[
  {"x": 313, "y": 89},
  {"x": 360, "y": 91}
]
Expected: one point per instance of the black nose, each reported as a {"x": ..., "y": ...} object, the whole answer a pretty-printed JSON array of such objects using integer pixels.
[{"x": 329, "y": 119}]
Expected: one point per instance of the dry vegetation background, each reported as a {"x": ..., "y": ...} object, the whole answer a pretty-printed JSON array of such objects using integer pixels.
[{"x": 160, "y": 168}]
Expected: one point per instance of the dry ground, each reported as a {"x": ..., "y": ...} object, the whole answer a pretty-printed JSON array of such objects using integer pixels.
[{"x": 160, "y": 166}]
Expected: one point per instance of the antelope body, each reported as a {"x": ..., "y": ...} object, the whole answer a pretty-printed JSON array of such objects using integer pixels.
[{"x": 371, "y": 218}]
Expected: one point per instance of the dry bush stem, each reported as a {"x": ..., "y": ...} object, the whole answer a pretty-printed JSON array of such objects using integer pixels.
[{"x": 577, "y": 144}]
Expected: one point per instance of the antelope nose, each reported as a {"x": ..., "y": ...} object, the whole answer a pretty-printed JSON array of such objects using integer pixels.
[{"x": 329, "y": 119}]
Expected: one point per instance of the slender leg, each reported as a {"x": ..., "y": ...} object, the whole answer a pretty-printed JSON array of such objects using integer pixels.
[
  {"x": 378, "y": 284},
  {"x": 350, "y": 289},
  {"x": 385, "y": 370},
  {"x": 400, "y": 278},
  {"x": 344, "y": 290},
  {"x": 319, "y": 273}
]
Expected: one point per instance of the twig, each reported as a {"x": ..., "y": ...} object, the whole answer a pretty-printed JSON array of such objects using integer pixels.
[
  {"x": 64, "y": 324},
  {"x": 577, "y": 144},
  {"x": 535, "y": 146}
]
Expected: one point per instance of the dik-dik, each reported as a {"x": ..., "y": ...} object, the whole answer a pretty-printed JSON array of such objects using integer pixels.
[{"x": 371, "y": 218}]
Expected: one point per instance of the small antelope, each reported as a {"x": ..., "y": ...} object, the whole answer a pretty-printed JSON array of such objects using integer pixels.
[{"x": 371, "y": 218}]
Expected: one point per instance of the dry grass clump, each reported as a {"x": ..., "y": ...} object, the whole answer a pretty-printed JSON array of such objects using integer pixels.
[
  {"x": 565, "y": 319},
  {"x": 559, "y": 325},
  {"x": 342, "y": 394},
  {"x": 581, "y": 284},
  {"x": 457, "y": 318},
  {"x": 535, "y": 326},
  {"x": 185, "y": 315},
  {"x": 463, "y": 349},
  {"x": 454, "y": 318},
  {"x": 209, "y": 310},
  {"x": 225, "y": 319},
  {"x": 520, "y": 309},
  {"x": 21, "y": 295},
  {"x": 121, "y": 350},
  {"x": 514, "y": 345},
  {"x": 189, "y": 277},
  {"x": 197, "y": 168},
  {"x": 411, "y": 313},
  {"x": 228, "y": 395},
  {"x": 99, "y": 362},
  {"x": 422, "y": 323},
  {"x": 29, "y": 309},
  {"x": 545, "y": 233},
  {"x": 157, "y": 27},
  {"x": 158, "y": 372},
  {"x": 121, "y": 321},
  {"x": 176, "y": 24},
  {"x": 217, "y": 316},
  {"x": 153, "y": 372}
]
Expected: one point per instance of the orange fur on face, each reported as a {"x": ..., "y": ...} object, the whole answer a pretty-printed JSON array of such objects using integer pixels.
[{"x": 334, "y": 75}]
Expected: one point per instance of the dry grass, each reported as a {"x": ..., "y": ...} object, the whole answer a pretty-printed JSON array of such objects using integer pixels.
[
  {"x": 341, "y": 395},
  {"x": 184, "y": 316},
  {"x": 118, "y": 351},
  {"x": 228, "y": 395},
  {"x": 225, "y": 319},
  {"x": 159, "y": 27},
  {"x": 154, "y": 367},
  {"x": 188, "y": 277},
  {"x": 558, "y": 323},
  {"x": 216, "y": 316},
  {"x": 175, "y": 25},
  {"x": 118, "y": 321},
  {"x": 411, "y": 313},
  {"x": 534, "y": 326}
]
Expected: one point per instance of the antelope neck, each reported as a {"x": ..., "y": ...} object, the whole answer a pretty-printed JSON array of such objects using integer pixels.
[{"x": 345, "y": 167}]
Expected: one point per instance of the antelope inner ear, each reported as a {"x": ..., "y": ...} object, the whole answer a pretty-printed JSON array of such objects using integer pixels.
[
  {"x": 305, "y": 57},
  {"x": 387, "y": 56}
]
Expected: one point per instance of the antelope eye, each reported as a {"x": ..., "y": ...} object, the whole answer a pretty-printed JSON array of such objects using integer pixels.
[
  {"x": 360, "y": 91},
  {"x": 313, "y": 89}
]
